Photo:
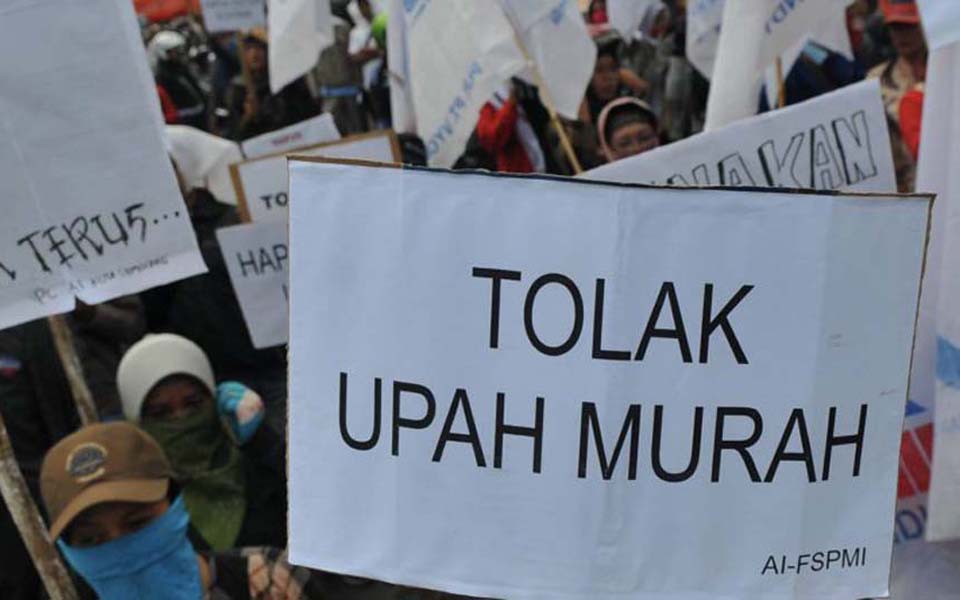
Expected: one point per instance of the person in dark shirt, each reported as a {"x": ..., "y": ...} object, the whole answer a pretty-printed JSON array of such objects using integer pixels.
[{"x": 252, "y": 114}]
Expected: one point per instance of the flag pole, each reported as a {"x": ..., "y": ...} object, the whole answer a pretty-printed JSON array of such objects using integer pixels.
[
  {"x": 67, "y": 352},
  {"x": 781, "y": 84},
  {"x": 26, "y": 516},
  {"x": 548, "y": 103}
]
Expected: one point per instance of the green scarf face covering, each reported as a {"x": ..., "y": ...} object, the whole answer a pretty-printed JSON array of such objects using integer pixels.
[{"x": 209, "y": 463}]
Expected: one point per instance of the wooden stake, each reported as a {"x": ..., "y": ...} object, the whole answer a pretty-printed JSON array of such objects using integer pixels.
[
  {"x": 781, "y": 85},
  {"x": 551, "y": 109},
  {"x": 27, "y": 518},
  {"x": 67, "y": 351}
]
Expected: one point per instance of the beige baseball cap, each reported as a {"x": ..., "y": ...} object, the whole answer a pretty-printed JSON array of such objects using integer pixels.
[{"x": 107, "y": 462}]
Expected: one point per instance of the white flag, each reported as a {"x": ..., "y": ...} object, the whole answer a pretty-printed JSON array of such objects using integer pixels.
[
  {"x": 401, "y": 102},
  {"x": 556, "y": 38},
  {"x": 832, "y": 34},
  {"x": 298, "y": 31},
  {"x": 939, "y": 153},
  {"x": 459, "y": 53},
  {"x": 204, "y": 160},
  {"x": 625, "y": 15},
  {"x": 753, "y": 34},
  {"x": 703, "y": 33}
]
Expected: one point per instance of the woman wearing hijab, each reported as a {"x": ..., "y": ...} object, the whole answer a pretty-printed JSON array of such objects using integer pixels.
[
  {"x": 231, "y": 470},
  {"x": 627, "y": 126}
]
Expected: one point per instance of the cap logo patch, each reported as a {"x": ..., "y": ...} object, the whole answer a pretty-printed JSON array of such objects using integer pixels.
[{"x": 86, "y": 462}]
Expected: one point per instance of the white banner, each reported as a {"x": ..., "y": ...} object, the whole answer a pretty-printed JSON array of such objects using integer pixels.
[
  {"x": 256, "y": 257},
  {"x": 941, "y": 21},
  {"x": 556, "y": 38},
  {"x": 298, "y": 30},
  {"x": 512, "y": 402},
  {"x": 316, "y": 130},
  {"x": 91, "y": 205},
  {"x": 459, "y": 52},
  {"x": 261, "y": 183},
  {"x": 835, "y": 141},
  {"x": 232, "y": 15}
]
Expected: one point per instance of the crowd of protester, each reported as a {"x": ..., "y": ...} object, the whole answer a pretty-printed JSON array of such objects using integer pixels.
[{"x": 182, "y": 488}]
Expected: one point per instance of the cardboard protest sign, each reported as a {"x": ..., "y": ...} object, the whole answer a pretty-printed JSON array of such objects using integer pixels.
[
  {"x": 233, "y": 15},
  {"x": 836, "y": 141},
  {"x": 256, "y": 257},
  {"x": 318, "y": 130},
  {"x": 261, "y": 183},
  {"x": 91, "y": 205},
  {"x": 526, "y": 387}
]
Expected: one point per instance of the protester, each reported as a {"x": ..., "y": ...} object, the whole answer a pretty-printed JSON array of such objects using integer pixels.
[
  {"x": 900, "y": 75},
  {"x": 505, "y": 133},
  {"x": 166, "y": 54},
  {"x": 205, "y": 310},
  {"x": 911, "y": 119},
  {"x": 627, "y": 127},
  {"x": 340, "y": 79},
  {"x": 122, "y": 523},
  {"x": 233, "y": 475},
  {"x": 262, "y": 111},
  {"x": 366, "y": 50},
  {"x": 38, "y": 410},
  {"x": 817, "y": 70},
  {"x": 610, "y": 79},
  {"x": 225, "y": 67}
]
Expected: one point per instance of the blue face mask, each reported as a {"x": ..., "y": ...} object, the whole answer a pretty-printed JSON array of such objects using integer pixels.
[{"x": 154, "y": 563}]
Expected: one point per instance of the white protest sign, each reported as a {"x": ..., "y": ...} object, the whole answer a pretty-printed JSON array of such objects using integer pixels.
[
  {"x": 316, "y": 130},
  {"x": 91, "y": 205},
  {"x": 232, "y": 15},
  {"x": 835, "y": 141},
  {"x": 941, "y": 21},
  {"x": 511, "y": 401},
  {"x": 261, "y": 183},
  {"x": 256, "y": 258}
]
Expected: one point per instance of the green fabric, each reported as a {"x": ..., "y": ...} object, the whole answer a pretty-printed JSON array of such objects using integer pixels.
[{"x": 209, "y": 464}]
